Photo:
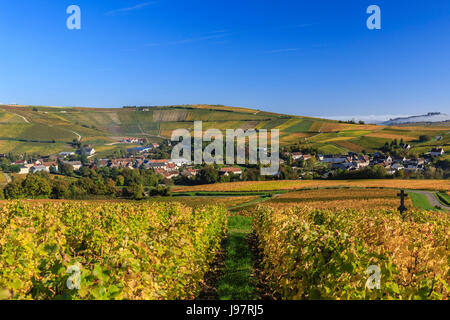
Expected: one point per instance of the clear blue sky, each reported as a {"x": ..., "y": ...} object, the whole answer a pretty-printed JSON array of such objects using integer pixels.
[{"x": 312, "y": 57}]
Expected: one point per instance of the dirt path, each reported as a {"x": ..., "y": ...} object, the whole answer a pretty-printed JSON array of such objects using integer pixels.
[
  {"x": 79, "y": 135},
  {"x": 431, "y": 197},
  {"x": 7, "y": 177},
  {"x": 24, "y": 119}
]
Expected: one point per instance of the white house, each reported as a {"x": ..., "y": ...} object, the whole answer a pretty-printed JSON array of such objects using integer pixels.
[
  {"x": 335, "y": 159},
  {"x": 189, "y": 173},
  {"x": 25, "y": 169},
  {"x": 171, "y": 174},
  {"x": 75, "y": 164},
  {"x": 66, "y": 154},
  {"x": 89, "y": 151},
  {"x": 38, "y": 168},
  {"x": 180, "y": 162},
  {"x": 390, "y": 171},
  {"x": 437, "y": 152},
  {"x": 397, "y": 166},
  {"x": 156, "y": 164},
  {"x": 228, "y": 171},
  {"x": 296, "y": 155}
]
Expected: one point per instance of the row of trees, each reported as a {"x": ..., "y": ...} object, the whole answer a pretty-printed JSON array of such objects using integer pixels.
[
  {"x": 375, "y": 172},
  {"x": 105, "y": 182},
  {"x": 379, "y": 172},
  {"x": 5, "y": 166},
  {"x": 207, "y": 174}
]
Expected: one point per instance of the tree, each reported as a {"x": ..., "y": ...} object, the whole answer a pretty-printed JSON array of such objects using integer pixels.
[
  {"x": 111, "y": 188},
  {"x": 208, "y": 175},
  {"x": 84, "y": 159},
  {"x": 14, "y": 169},
  {"x": 135, "y": 191},
  {"x": 88, "y": 185},
  {"x": 394, "y": 143},
  {"x": 85, "y": 172},
  {"x": 424, "y": 138},
  {"x": 36, "y": 186},
  {"x": 400, "y": 174},
  {"x": 66, "y": 169},
  {"x": 60, "y": 189},
  {"x": 252, "y": 174},
  {"x": 120, "y": 180},
  {"x": 14, "y": 190},
  {"x": 287, "y": 173},
  {"x": 160, "y": 191},
  {"x": 311, "y": 162},
  {"x": 4, "y": 163},
  {"x": 379, "y": 172}
]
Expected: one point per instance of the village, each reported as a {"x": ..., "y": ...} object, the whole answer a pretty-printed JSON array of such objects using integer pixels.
[
  {"x": 138, "y": 158},
  {"x": 352, "y": 161},
  {"x": 304, "y": 164}
]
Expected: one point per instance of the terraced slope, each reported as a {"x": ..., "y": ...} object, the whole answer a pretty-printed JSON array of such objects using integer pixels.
[{"x": 50, "y": 129}]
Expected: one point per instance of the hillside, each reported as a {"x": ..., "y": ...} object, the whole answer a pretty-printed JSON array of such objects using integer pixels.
[
  {"x": 431, "y": 117},
  {"x": 44, "y": 130}
]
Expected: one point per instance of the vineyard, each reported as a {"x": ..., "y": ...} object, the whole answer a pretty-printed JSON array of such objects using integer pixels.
[
  {"x": 339, "y": 198},
  {"x": 324, "y": 254},
  {"x": 312, "y": 244},
  {"x": 247, "y": 186},
  {"x": 101, "y": 126},
  {"x": 122, "y": 251}
]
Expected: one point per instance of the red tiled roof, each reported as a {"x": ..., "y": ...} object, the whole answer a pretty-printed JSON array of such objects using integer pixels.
[{"x": 231, "y": 170}]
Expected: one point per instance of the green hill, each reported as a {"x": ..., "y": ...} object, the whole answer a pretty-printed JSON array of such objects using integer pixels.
[{"x": 44, "y": 130}]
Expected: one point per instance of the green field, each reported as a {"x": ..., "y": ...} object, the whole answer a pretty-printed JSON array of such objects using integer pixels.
[
  {"x": 421, "y": 201},
  {"x": 301, "y": 126},
  {"x": 443, "y": 198}
]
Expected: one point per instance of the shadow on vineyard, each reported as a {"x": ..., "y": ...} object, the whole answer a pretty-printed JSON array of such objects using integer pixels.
[
  {"x": 262, "y": 287},
  {"x": 212, "y": 277}
]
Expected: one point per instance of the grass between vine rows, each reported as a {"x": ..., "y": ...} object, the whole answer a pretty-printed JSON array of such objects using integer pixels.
[{"x": 238, "y": 281}]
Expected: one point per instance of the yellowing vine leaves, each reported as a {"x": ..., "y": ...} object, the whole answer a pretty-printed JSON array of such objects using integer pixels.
[
  {"x": 324, "y": 253},
  {"x": 124, "y": 251}
]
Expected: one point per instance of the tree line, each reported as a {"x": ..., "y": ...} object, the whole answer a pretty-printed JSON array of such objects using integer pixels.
[{"x": 87, "y": 183}]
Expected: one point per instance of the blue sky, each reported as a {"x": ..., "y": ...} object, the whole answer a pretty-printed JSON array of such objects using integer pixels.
[{"x": 300, "y": 57}]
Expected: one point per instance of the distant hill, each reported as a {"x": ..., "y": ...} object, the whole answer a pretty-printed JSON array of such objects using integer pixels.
[
  {"x": 427, "y": 118},
  {"x": 46, "y": 130}
]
